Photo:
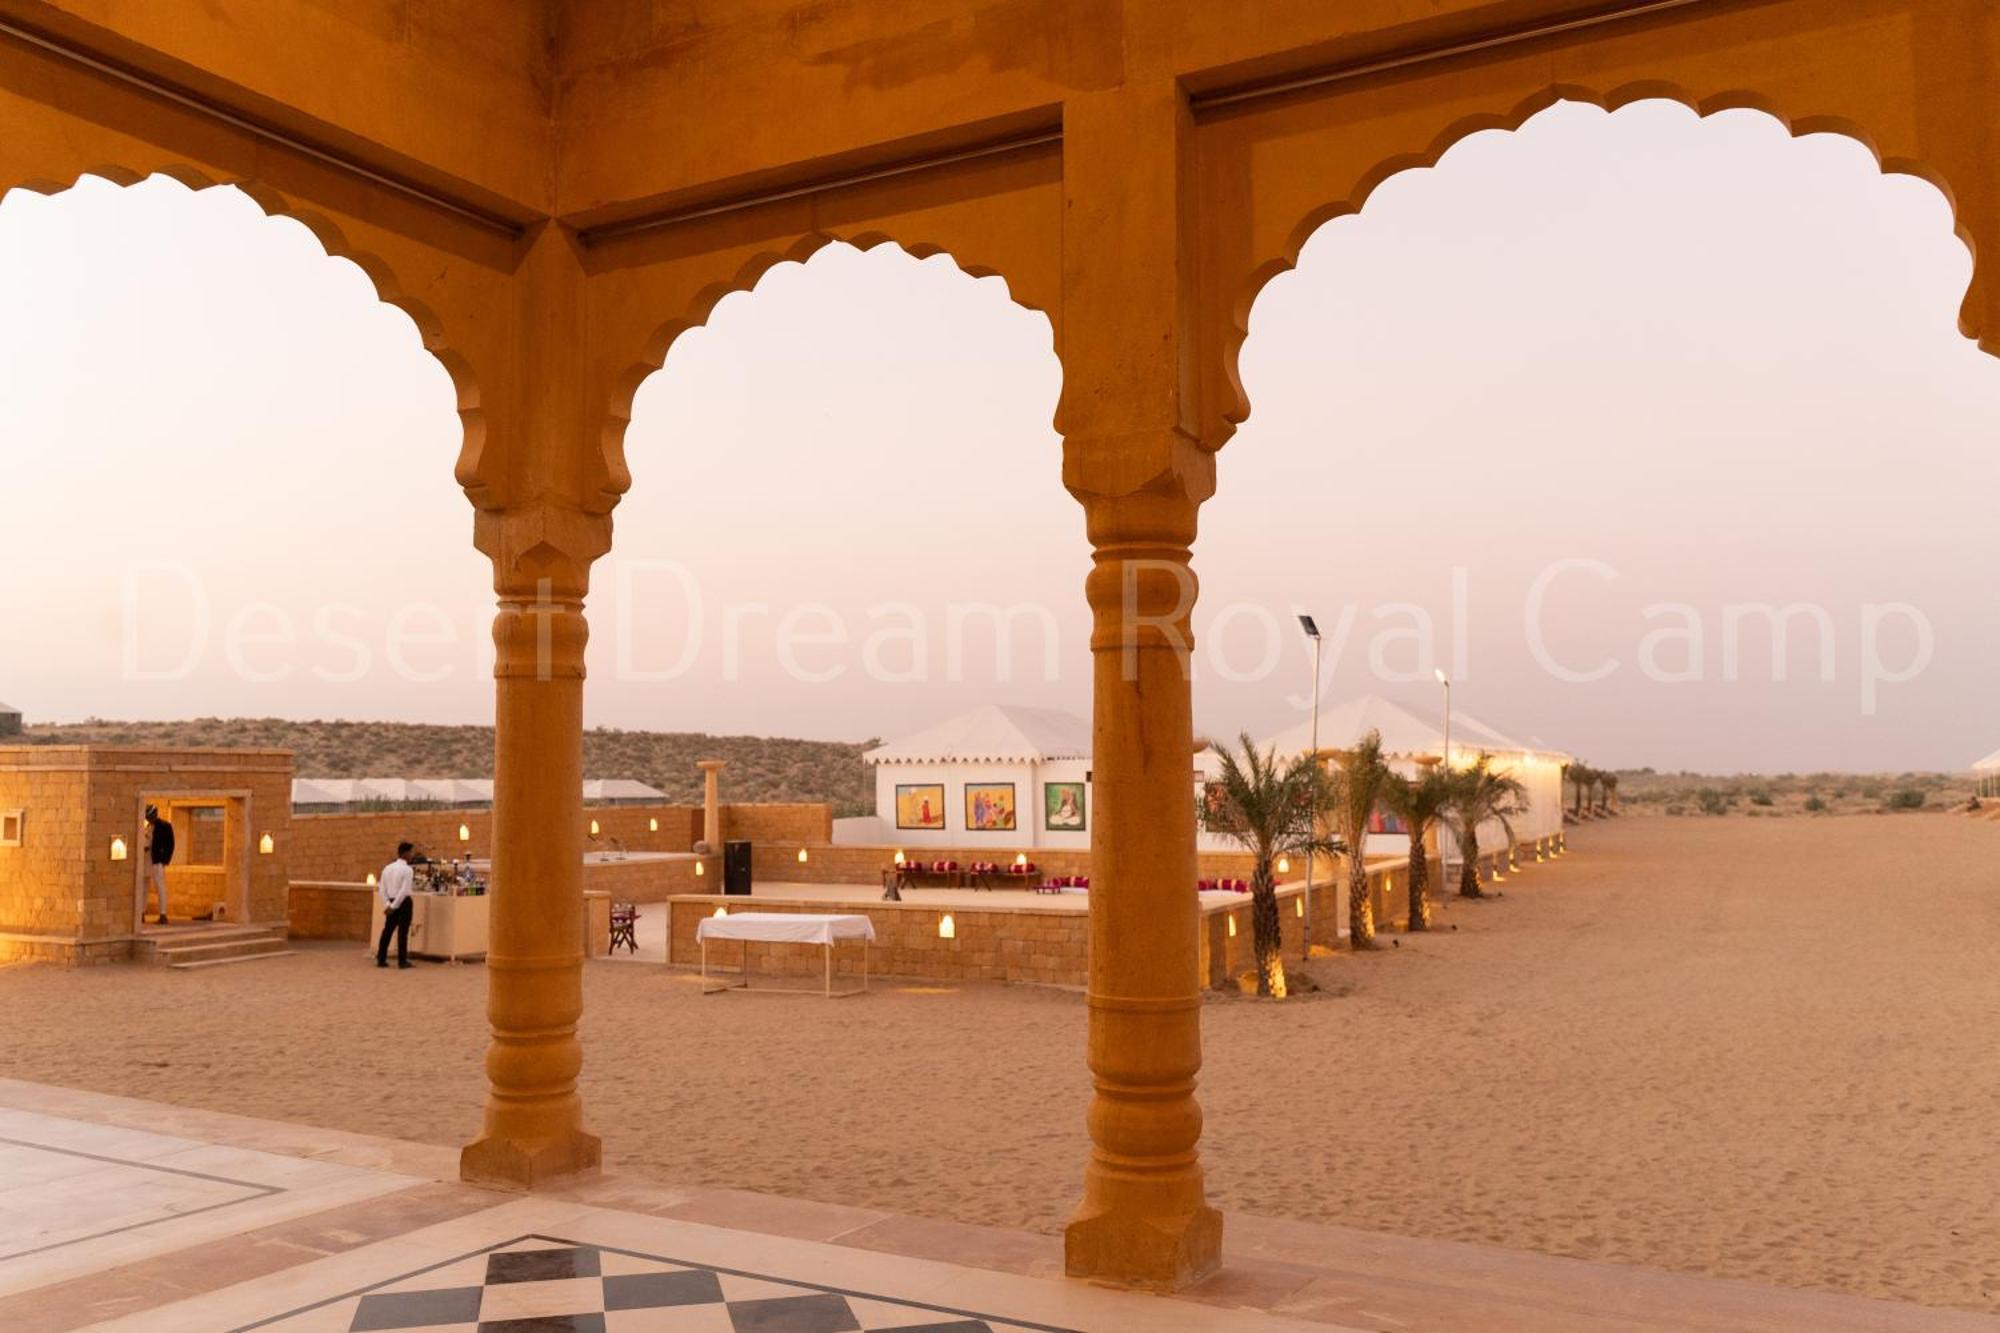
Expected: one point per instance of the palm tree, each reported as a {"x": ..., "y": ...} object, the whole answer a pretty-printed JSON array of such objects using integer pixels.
[
  {"x": 1609, "y": 803},
  {"x": 1270, "y": 810},
  {"x": 1418, "y": 802},
  {"x": 1579, "y": 775},
  {"x": 1350, "y": 797},
  {"x": 1478, "y": 795}
]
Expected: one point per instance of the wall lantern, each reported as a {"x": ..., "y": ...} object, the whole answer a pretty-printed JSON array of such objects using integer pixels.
[
  {"x": 465, "y": 833},
  {"x": 899, "y": 856},
  {"x": 947, "y": 928},
  {"x": 802, "y": 856},
  {"x": 1284, "y": 865},
  {"x": 1299, "y": 907},
  {"x": 720, "y": 911},
  {"x": 700, "y": 868},
  {"x": 1020, "y": 858},
  {"x": 371, "y": 879},
  {"x": 118, "y": 849},
  {"x": 265, "y": 846},
  {"x": 593, "y": 828},
  {"x": 652, "y": 826},
  {"x": 1232, "y": 927}
]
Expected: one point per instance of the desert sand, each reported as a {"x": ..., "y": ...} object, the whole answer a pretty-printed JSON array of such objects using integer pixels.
[{"x": 1755, "y": 1048}]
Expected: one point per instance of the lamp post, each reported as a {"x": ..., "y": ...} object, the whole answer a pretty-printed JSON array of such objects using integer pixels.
[
  {"x": 1312, "y": 634},
  {"x": 1444, "y": 872}
]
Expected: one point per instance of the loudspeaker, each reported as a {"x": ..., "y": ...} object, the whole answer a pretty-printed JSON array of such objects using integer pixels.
[{"x": 736, "y": 867}]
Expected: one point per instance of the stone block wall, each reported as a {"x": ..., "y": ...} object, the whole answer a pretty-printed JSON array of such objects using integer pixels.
[
  {"x": 350, "y": 847},
  {"x": 1046, "y": 946},
  {"x": 327, "y": 911}
]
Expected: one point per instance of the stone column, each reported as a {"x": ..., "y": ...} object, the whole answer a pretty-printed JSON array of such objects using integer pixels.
[
  {"x": 533, "y": 1131},
  {"x": 543, "y": 488},
  {"x": 711, "y": 802},
  {"x": 1131, "y": 457}
]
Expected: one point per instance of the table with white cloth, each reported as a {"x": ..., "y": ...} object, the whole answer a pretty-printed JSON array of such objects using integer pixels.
[{"x": 784, "y": 928}]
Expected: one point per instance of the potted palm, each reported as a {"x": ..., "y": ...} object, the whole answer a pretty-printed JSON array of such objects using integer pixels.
[
  {"x": 1351, "y": 794},
  {"x": 1270, "y": 809},
  {"x": 1419, "y": 802},
  {"x": 1479, "y": 795}
]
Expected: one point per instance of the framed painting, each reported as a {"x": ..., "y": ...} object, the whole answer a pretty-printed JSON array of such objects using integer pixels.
[
  {"x": 989, "y": 807},
  {"x": 1062, "y": 807},
  {"x": 1217, "y": 814},
  {"x": 920, "y": 805}
]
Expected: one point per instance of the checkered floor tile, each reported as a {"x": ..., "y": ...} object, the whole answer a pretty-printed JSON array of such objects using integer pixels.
[{"x": 544, "y": 1285}]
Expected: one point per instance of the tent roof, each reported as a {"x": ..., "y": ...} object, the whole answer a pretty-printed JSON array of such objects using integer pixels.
[
  {"x": 618, "y": 789},
  {"x": 8, "y": 708},
  {"x": 1405, "y": 732},
  {"x": 1989, "y": 763},
  {"x": 992, "y": 733},
  {"x": 1343, "y": 725},
  {"x": 322, "y": 791}
]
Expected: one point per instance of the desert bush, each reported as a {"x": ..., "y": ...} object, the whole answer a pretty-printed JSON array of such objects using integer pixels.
[
  {"x": 1815, "y": 804},
  {"x": 1906, "y": 798}
]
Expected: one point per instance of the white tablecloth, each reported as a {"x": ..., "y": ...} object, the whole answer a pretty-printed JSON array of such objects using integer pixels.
[{"x": 788, "y": 927}]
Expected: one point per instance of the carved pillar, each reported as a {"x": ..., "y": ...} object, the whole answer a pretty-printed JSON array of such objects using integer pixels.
[
  {"x": 533, "y": 1131},
  {"x": 544, "y": 489},
  {"x": 711, "y": 802},
  {"x": 1131, "y": 458}
]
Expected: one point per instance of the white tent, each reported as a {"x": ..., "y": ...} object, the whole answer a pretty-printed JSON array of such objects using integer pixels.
[
  {"x": 1988, "y": 772},
  {"x": 619, "y": 791},
  {"x": 1409, "y": 736},
  {"x": 996, "y": 776}
]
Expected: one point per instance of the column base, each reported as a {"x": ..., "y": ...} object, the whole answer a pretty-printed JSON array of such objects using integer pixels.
[
  {"x": 1157, "y": 1253},
  {"x": 530, "y": 1165}
]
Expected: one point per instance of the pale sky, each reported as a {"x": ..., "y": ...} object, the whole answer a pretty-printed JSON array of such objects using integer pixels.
[{"x": 1637, "y": 359}]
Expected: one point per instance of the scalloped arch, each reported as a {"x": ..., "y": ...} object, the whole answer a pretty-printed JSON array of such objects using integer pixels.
[
  {"x": 1236, "y": 408},
  {"x": 333, "y": 240},
  {"x": 746, "y": 278}
]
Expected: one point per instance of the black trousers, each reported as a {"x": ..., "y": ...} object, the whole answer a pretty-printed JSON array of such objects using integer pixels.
[{"x": 396, "y": 919}]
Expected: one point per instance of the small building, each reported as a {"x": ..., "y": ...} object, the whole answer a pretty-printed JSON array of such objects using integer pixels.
[
  {"x": 1002, "y": 776},
  {"x": 10, "y": 720},
  {"x": 73, "y": 843}
]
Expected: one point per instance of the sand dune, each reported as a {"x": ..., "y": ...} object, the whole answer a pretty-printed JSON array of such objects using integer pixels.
[{"x": 1752, "y": 1048}]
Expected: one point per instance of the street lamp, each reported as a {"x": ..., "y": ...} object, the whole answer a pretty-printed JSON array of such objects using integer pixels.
[
  {"x": 1312, "y": 634},
  {"x": 1444, "y": 872}
]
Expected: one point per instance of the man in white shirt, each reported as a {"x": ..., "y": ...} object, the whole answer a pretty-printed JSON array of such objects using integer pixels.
[{"x": 397, "y": 881}]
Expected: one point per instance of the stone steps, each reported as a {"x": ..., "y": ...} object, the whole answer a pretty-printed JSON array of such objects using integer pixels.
[
  {"x": 210, "y": 947},
  {"x": 236, "y": 958}
]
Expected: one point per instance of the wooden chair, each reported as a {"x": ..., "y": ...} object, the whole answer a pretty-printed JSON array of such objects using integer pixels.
[{"x": 625, "y": 927}]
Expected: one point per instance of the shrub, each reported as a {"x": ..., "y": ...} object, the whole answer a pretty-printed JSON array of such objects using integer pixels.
[
  {"x": 1713, "y": 802},
  {"x": 1907, "y": 798},
  {"x": 1760, "y": 797},
  {"x": 1815, "y": 804}
]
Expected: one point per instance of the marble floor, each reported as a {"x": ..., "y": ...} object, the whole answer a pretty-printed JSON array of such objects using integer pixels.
[{"x": 136, "y": 1216}]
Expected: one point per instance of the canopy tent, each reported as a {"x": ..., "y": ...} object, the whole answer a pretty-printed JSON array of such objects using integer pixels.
[
  {"x": 326, "y": 795},
  {"x": 992, "y": 733},
  {"x": 1987, "y": 771},
  {"x": 620, "y": 791},
  {"x": 1409, "y": 736},
  {"x": 998, "y": 776}
]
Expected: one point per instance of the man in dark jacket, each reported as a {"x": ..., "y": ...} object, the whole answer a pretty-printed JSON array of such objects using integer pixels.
[{"x": 159, "y": 855}]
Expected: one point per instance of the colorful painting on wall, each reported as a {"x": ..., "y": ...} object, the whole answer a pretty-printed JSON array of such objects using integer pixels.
[
  {"x": 1381, "y": 821},
  {"x": 1062, "y": 807},
  {"x": 920, "y": 805},
  {"x": 989, "y": 807},
  {"x": 1217, "y": 814}
]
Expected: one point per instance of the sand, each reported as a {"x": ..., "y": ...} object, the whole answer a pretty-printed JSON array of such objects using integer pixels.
[{"x": 1756, "y": 1048}]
